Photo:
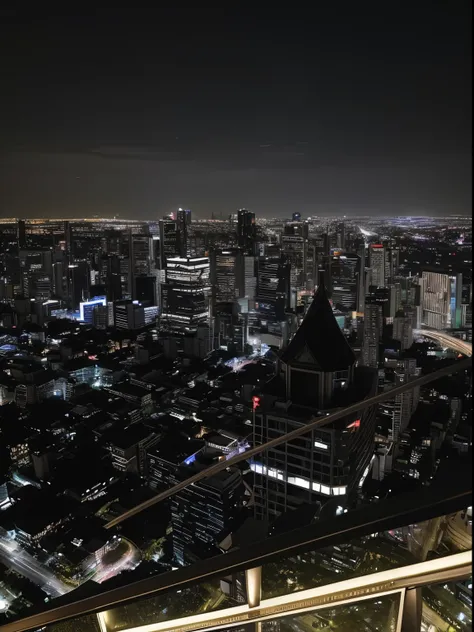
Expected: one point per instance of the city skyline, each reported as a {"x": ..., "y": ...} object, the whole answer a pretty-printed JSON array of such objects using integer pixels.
[{"x": 236, "y": 319}]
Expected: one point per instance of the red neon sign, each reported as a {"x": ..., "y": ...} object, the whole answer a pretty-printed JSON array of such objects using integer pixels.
[
  {"x": 354, "y": 425},
  {"x": 255, "y": 402}
]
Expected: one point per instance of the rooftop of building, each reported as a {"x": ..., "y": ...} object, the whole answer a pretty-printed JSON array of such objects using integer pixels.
[
  {"x": 319, "y": 341},
  {"x": 128, "y": 437}
]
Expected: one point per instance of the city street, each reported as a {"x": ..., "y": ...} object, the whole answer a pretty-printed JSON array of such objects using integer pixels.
[{"x": 14, "y": 557}]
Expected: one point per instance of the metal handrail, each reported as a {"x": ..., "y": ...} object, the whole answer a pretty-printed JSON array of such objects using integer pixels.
[
  {"x": 390, "y": 514},
  {"x": 397, "y": 512},
  {"x": 316, "y": 422}
]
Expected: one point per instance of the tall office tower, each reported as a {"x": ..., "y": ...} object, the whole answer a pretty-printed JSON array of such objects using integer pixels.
[
  {"x": 341, "y": 236},
  {"x": 373, "y": 319},
  {"x": 316, "y": 374},
  {"x": 442, "y": 299},
  {"x": 110, "y": 276},
  {"x": 36, "y": 268},
  {"x": 183, "y": 220},
  {"x": 59, "y": 279},
  {"x": 185, "y": 294},
  {"x": 385, "y": 297},
  {"x": 140, "y": 255},
  {"x": 129, "y": 315},
  {"x": 78, "y": 282},
  {"x": 361, "y": 280},
  {"x": 246, "y": 231},
  {"x": 344, "y": 271},
  {"x": 250, "y": 279},
  {"x": 404, "y": 404},
  {"x": 273, "y": 289},
  {"x": 377, "y": 264},
  {"x": 202, "y": 512},
  {"x": 312, "y": 263},
  {"x": 169, "y": 241},
  {"x": 392, "y": 264},
  {"x": 322, "y": 244},
  {"x": 403, "y": 328},
  {"x": 227, "y": 275},
  {"x": 21, "y": 234},
  {"x": 294, "y": 244},
  {"x": 231, "y": 327},
  {"x": 146, "y": 290}
]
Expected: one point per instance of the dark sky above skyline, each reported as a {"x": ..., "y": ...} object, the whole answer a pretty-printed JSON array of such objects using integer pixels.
[{"x": 355, "y": 107}]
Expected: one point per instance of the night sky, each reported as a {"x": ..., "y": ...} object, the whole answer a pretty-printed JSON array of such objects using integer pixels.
[{"x": 352, "y": 108}]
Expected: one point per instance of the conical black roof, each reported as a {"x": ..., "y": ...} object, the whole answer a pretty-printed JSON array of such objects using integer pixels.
[{"x": 319, "y": 340}]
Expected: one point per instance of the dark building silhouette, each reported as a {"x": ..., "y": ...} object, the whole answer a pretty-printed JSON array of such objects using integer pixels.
[{"x": 316, "y": 374}]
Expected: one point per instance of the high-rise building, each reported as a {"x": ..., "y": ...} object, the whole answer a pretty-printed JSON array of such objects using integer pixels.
[
  {"x": 246, "y": 231},
  {"x": 341, "y": 236},
  {"x": 344, "y": 270},
  {"x": 316, "y": 374},
  {"x": 404, "y": 404},
  {"x": 140, "y": 258},
  {"x": 169, "y": 241},
  {"x": 250, "y": 279},
  {"x": 78, "y": 283},
  {"x": 21, "y": 232},
  {"x": 202, "y": 512},
  {"x": 185, "y": 294},
  {"x": 361, "y": 280},
  {"x": 145, "y": 289},
  {"x": 373, "y": 322},
  {"x": 129, "y": 315},
  {"x": 227, "y": 275},
  {"x": 403, "y": 328},
  {"x": 442, "y": 300},
  {"x": 110, "y": 276},
  {"x": 294, "y": 246},
  {"x": 273, "y": 288},
  {"x": 183, "y": 219},
  {"x": 377, "y": 264}
]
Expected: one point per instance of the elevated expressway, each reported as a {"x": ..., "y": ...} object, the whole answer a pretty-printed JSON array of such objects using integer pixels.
[{"x": 445, "y": 340}]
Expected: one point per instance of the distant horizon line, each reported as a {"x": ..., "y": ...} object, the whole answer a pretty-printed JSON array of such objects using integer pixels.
[{"x": 223, "y": 219}]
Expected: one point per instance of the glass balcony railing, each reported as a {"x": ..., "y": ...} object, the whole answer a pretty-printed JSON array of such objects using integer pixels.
[
  {"x": 350, "y": 569},
  {"x": 402, "y": 562}
]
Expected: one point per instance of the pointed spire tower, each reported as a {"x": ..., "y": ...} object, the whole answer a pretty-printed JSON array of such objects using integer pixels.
[{"x": 318, "y": 360}]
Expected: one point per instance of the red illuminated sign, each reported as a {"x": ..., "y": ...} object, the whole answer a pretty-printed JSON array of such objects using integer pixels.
[
  {"x": 354, "y": 426},
  {"x": 255, "y": 402}
]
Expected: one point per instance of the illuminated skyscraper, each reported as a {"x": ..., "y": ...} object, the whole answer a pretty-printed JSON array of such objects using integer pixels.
[
  {"x": 442, "y": 299},
  {"x": 377, "y": 265},
  {"x": 373, "y": 322},
  {"x": 273, "y": 289},
  {"x": 316, "y": 374},
  {"x": 344, "y": 271},
  {"x": 185, "y": 294},
  {"x": 227, "y": 275}
]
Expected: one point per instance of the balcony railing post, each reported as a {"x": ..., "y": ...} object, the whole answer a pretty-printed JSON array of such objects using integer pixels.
[
  {"x": 412, "y": 609},
  {"x": 253, "y": 580}
]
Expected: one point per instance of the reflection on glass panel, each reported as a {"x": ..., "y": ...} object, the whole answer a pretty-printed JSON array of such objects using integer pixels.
[
  {"x": 447, "y": 607},
  {"x": 379, "y": 552},
  {"x": 371, "y": 615},
  {"x": 87, "y": 623},
  {"x": 206, "y": 597}
]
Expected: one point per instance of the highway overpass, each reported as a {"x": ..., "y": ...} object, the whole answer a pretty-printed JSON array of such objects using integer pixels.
[{"x": 445, "y": 340}]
